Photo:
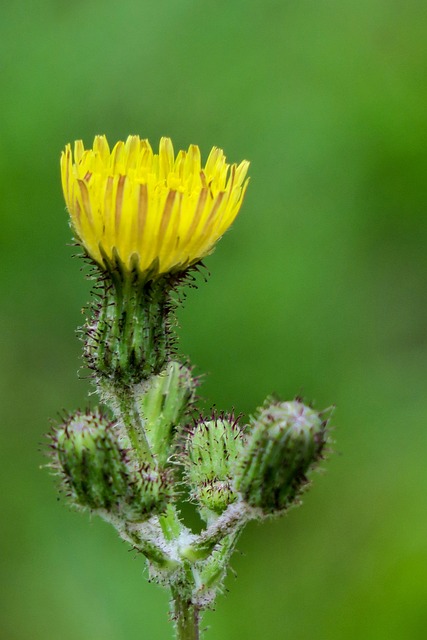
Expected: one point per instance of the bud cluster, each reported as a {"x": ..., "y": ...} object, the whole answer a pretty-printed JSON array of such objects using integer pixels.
[
  {"x": 99, "y": 471},
  {"x": 263, "y": 466},
  {"x": 102, "y": 470},
  {"x": 134, "y": 469}
]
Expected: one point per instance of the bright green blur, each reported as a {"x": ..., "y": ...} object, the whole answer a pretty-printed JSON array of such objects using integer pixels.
[{"x": 318, "y": 290}]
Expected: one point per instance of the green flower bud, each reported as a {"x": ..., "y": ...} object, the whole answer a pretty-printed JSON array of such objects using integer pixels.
[
  {"x": 98, "y": 471},
  {"x": 211, "y": 452},
  {"x": 285, "y": 441},
  {"x": 162, "y": 400}
]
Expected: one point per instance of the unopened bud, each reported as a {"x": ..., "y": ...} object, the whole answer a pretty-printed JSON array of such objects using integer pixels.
[
  {"x": 212, "y": 451},
  {"x": 286, "y": 439},
  {"x": 162, "y": 400}
]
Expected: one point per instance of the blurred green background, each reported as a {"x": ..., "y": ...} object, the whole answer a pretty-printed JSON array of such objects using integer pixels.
[{"x": 319, "y": 289}]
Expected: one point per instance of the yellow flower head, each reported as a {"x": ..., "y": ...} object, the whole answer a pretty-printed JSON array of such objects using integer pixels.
[{"x": 155, "y": 211}]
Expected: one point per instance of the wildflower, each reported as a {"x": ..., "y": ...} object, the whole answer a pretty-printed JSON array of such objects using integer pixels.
[{"x": 153, "y": 212}]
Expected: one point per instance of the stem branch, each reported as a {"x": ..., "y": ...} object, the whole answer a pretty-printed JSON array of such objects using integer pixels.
[{"x": 233, "y": 518}]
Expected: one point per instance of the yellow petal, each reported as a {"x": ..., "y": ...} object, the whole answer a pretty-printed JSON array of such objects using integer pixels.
[{"x": 165, "y": 209}]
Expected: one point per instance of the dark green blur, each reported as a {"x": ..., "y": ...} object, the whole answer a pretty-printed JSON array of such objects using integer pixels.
[{"x": 318, "y": 290}]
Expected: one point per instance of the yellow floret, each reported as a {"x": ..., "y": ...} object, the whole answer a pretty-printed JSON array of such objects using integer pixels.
[{"x": 149, "y": 209}]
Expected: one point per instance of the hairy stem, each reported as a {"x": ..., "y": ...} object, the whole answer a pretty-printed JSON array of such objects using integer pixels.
[
  {"x": 233, "y": 518},
  {"x": 132, "y": 423},
  {"x": 186, "y": 615}
]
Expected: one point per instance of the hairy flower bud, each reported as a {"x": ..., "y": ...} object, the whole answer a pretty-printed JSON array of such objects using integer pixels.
[
  {"x": 212, "y": 451},
  {"x": 98, "y": 471},
  {"x": 286, "y": 439}
]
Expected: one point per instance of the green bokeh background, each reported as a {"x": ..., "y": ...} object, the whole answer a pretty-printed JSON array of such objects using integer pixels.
[{"x": 319, "y": 289}]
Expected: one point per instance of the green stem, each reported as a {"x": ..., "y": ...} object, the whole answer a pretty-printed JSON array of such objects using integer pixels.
[
  {"x": 186, "y": 615},
  {"x": 234, "y": 517},
  {"x": 213, "y": 570},
  {"x": 150, "y": 549},
  {"x": 135, "y": 535},
  {"x": 132, "y": 422}
]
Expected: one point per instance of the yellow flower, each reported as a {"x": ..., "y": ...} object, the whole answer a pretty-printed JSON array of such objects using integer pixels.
[{"x": 166, "y": 211}]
